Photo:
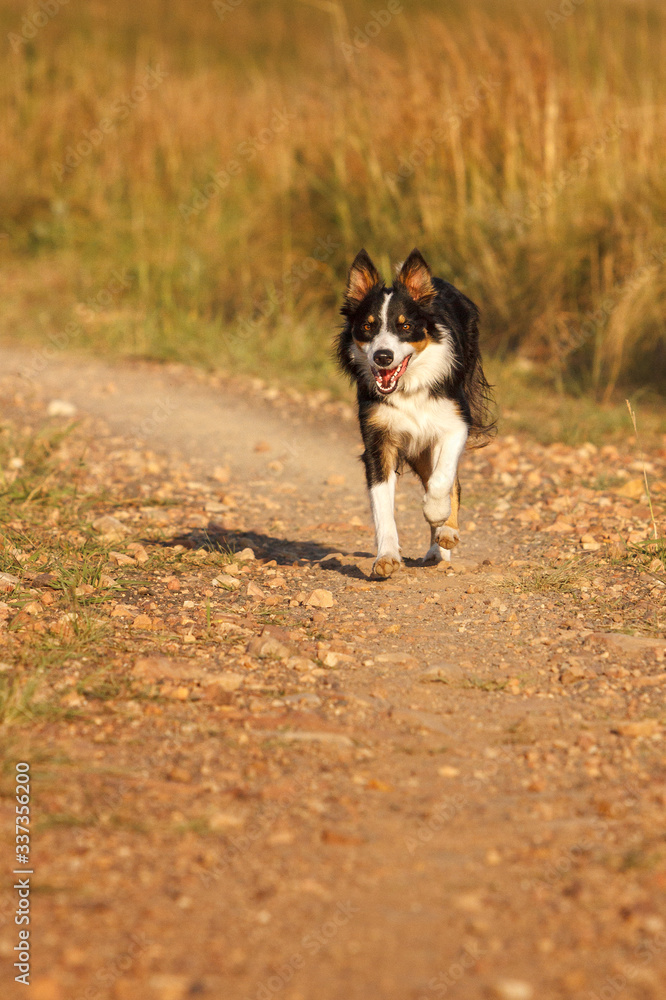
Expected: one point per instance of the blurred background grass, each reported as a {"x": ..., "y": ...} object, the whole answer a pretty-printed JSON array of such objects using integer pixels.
[{"x": 208, "y": 212}]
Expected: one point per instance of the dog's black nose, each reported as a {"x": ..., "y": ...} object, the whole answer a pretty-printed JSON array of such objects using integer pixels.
[{"x": 382, "y": 359}]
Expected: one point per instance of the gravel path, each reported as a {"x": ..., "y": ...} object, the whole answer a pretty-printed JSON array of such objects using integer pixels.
[{"x": 270, "y": 776}]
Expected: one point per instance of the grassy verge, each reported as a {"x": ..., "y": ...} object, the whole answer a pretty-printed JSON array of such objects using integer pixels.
[
  {"x": 52, "y": 568},
  {"x": 193, "y": 187}
]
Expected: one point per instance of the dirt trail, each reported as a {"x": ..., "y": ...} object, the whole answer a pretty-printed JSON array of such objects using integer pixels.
[
  {"x": 171, "y": 408},
  {"x": 450, "y": 783}
]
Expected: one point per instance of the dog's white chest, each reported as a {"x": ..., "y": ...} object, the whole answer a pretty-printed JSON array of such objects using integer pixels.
[{"x": 417, "y": 420}]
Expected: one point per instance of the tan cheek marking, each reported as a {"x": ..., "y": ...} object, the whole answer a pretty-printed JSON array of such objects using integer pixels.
[{"x": 420, "y": 345}]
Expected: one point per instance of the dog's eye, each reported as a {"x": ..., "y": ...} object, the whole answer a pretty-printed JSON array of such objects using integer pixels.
[
  {"x": 366, "y": 327},
  {"x": 404, "y": 326}
]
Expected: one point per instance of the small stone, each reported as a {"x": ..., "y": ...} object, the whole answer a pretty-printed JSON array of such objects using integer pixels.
[
  {"x": 72, "y": 700},
  {"x": 629, "y": 643},
  {"x": 7, "y": 582},
  {"x": 124, "y": 611},
  {"x": 513, "y": 989},
  {"x": 169, "y": 987},
  {"x": 320, "y": 599},
  {"x": 400, "y": 659},
  {"x": 180, "y": 774},
  {"x": 332, "y": 659},
  {"x": 246, "y": 555},
  {"x": 109, "y": 527},
  {"x": 633, "y": 489},
  {"x": 254, "y": 591},
  {"x": 442, "y": 673},
  {"x": 573, "y": 673},
  {"x": 301, "y": 663},
  {"x": 142, "y": 621},
  {"x": 119, "y": 558},
  {"x": 469, "y": 902},
  {"x": 267, "y": 645},
  {"x": 138, "y": 551},
  {"x": 299, "y": 736},
  {"x": 281, "y": 838},
  {"x": 158, "y": 668},
  {"x": 642, "y": 727},
  {"x": 173, "y": 584},
  {"x": 229, "y": 680},
  {"x": 226, "y": 582},
  {"x": 306, "y": 699},
  {"x": 225, "y": 821},
  {"x": 447, "y": 771},
  {"x": 60, "y": 408}
]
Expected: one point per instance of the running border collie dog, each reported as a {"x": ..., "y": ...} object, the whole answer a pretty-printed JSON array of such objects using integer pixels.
[{"x": 413, "y": 352}]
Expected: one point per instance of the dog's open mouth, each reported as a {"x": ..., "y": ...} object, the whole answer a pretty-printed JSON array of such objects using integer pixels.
[{"x": 387, "y": 378}]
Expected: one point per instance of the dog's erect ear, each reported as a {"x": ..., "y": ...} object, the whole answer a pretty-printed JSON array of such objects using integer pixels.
[
  {"x": 416, "y": 276},
  {"x": 363, "y": 277}
]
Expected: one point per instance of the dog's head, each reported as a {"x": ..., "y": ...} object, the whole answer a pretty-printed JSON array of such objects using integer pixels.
[{"x": 391, "y": 328}]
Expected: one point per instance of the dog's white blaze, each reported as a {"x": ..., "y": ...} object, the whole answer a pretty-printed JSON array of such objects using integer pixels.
[
  {"x": 382, "y": 499},
  {"x": 383, "y": 314},
  {"x": 385, "y": 340}
]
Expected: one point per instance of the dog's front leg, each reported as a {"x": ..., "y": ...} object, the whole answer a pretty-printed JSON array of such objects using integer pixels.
[
  {"x": 380, "y": 459},
  {"x": 382, "y": 501},
  {"x": 444, "y": 537},
  {"x": 442, "y": 497}
]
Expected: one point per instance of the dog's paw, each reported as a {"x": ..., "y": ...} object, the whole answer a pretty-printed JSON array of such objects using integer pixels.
[
  {"x": 435, "y": 554},
  {"x": 436, "y": 509},
  {"x": 448, "y": 537},
  {"x": 386, "y": 565}
]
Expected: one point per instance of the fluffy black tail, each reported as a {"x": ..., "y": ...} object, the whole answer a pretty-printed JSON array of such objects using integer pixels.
[{"x": 482, "y": 407}]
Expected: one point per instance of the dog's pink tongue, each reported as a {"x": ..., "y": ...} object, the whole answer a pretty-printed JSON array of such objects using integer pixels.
[{"x": 386, "y": 376}]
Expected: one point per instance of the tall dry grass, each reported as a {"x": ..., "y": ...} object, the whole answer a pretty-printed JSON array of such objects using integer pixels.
[{"x": 525, "y": 159}]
